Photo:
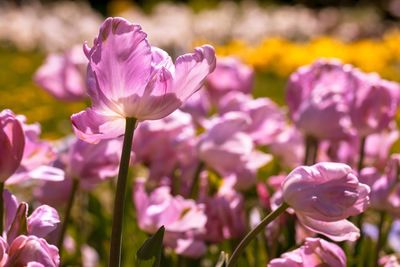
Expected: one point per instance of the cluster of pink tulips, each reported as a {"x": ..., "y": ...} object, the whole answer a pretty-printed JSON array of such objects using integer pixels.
[{"x": 218, "y": 177}]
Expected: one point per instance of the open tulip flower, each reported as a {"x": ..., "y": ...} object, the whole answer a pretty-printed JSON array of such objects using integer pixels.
[
  {"x": 128, "y": 78},
  {"x": 322, "y": 92},
  {"x": 324, "y": 195},
  {"x": 63, "y": 75},
  {"x": 230, "y": 75},
  {"x": 374, "y": 103}
]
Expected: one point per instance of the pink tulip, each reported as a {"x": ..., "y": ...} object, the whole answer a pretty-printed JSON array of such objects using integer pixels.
[
  {"x": 264, "y": 196},
  {"x": 3, "y": 252},
  {"x": 267, "y": 120},
  {"x": 321, "y": 93},
  {"x": 63, "y": 75},
  {"x": 227, "y": 149},
  {"x": 90, "y": 257},
  {"x": 32, "y": 251},
  {"x": 315, "y": 252},
  {"x": 37, "y": 158},
  {"x": 43, "y": 220},
  {"x": 378, "y": 146},
  {"x": 389, "y": 261},
  {"x": 324, "y": 195},
  {"x": 374, "y": 104},
  {"x": 165, "y": 144},
  {"x": 184, "y": 220},
  {"x": 128, "y": 78},
  {"x": 288, "y": 147},
  {"x": 380, "y": 185},
  {"x": 53, "y": 193},
  {"x": 385, "y": 188},
  {"x": 198, "y": 106},
  {"x": 230, "y": 75},
  {"x": 225, "y": 215},
  {"x": 10, "y": 208},
  {"x": 12, "y": 143},
  {"x": 344, "y": 151},
  {"x": 92, "y": 164}
]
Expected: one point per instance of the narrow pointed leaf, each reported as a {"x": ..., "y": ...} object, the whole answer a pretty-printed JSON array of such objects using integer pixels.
[{"x": 152, "y": 247}]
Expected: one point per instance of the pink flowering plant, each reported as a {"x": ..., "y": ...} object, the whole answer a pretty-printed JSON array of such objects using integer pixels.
[{"x": 179, "y": 163}]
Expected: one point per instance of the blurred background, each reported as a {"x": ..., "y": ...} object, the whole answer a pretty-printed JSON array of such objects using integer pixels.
[{"x": 274, "y": 37}]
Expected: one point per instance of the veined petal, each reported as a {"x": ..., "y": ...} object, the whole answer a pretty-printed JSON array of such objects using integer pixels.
[
  {"x": 92, "y": 127},
  {"x": 46, "y": 173},
  {"x": 192, "y": 69},
  {"x": 120, "y": 61},
  {"x": 156, "y": 102},
  {"x": 43, "y": 221},
  {"x": 337, "y": 231}
]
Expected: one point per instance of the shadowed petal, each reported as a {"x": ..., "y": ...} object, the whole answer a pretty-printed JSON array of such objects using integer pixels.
[
  {"x": 91, "y": 126},
  {"x": 337, "y": 231}
]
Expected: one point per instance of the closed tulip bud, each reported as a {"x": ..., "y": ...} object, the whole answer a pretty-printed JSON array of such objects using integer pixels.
[
  {"x": 12, "y": 143},
  {"x": 324, "y": 195},
  {"x": 128, "y": 78}
]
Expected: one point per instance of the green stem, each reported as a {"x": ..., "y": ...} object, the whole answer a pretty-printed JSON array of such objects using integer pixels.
[
  {"x": 253, "y": 233},
  {"x": 194, "y": 187},
  {"x": 311, "y": 150},
  {"x": 380, "y": 242},
  {"x": 360, "y": 218},
  {"x": 307, "y": 150},
  {"x": 361, "y": 153},
  {"x": 119, "y": 203},
  {"x": 314, "y": 151},
  {"x": 67, "y": 215},
  {"x": 1, "y": 207}
]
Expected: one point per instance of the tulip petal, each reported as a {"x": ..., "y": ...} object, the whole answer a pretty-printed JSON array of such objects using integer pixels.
[
  {"x": 92, "y": 127},
  {"x": 337, "y": 231},
  {"x": 120, "y": 61},
  {"x": 46, "y": 173},
  {"x": 43, "y": 221},
  {"x": 192, "y": 69}
]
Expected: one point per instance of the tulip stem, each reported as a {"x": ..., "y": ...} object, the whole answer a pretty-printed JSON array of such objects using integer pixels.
[
  {"x": 119, "y": 203},
  {"x": 361, "y": 153},
  {"x": 253, "y": 233},
  {"x": 194, "y": 187},
  {"x": 1, "y": 207},
  {"x": 311, "y": 150},
  {"x": 360, "y": 218},
  {"x": 67, "y": 215},
  {"x": 381, "y": 240},
  {"x": 306, "y": 150}
]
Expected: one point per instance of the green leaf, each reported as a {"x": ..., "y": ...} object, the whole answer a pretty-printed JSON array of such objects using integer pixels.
[{"x": 152, "y": 247}]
